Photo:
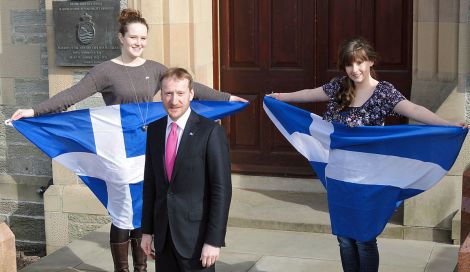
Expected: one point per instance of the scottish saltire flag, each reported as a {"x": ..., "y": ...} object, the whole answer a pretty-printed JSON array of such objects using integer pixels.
[
  {"x": 105, "y": 147},
  {"x": 367, "y": 170}
]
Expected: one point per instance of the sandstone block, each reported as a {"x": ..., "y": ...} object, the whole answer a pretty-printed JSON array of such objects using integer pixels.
[
  {"x": 7, "y": 249},
  {"x": 79, "y": 199},
  {"x": 464, "y": 256},
  {"x": 57, "y": 229},
  {"x": 53, "y": 198},
  {"x": 465, "y": 208}
]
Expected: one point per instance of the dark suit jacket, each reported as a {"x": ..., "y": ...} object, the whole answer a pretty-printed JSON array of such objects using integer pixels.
[{"x": 196, "y": 202}]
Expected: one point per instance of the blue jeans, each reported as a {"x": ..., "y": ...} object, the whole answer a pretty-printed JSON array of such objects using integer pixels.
[{"x": 358, "y": 256}]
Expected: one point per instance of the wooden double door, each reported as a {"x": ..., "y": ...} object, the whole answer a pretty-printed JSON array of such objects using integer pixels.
[{"x": 288, "y": 45}]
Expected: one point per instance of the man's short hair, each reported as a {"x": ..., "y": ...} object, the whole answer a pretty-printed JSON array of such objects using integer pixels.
[{"x": 177, "y": 73}]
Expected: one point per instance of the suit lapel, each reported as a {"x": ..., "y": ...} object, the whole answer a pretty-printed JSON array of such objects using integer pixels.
[
  {"x": 186, "y": 140},
  {"x": 161, "y": 142}
]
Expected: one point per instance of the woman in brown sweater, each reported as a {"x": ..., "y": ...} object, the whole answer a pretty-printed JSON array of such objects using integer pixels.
[{"x": 127, "y": 78}]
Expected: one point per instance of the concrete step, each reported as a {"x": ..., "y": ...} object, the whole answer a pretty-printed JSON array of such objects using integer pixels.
[
  {"x": 265, "y": 183},
  {"x": 256, "y": 250},
  {"x": 306, "y": 210}
]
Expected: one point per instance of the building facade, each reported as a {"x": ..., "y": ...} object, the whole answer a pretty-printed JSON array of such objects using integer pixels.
[{"x": 187, "y": 33}]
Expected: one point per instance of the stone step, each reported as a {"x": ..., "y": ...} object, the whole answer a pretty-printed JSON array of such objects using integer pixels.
[
  {"x": 308, "y": 212},
  {"x": 265, "y": 183}
]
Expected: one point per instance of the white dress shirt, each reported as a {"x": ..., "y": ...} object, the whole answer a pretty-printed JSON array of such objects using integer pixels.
[{"x": 180, "y": 123}]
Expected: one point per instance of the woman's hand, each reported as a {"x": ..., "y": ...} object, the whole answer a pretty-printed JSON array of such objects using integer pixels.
[
  {"x": 21, "y": 113},
  {"x": 276, "y": 96},
  {"x": 234, "y": 98},
  {"x": 462, "y": 124}
]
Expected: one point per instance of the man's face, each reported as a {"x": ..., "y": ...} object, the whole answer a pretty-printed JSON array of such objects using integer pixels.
[{"x": 176, "y": 96}]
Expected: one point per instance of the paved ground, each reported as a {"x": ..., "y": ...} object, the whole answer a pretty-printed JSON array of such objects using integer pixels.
[
  {"x": 265, "y": 250},
  {"x": 279, "y": 224}
]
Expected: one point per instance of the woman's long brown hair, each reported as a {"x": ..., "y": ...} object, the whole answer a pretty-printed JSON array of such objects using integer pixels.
[{"x": 350, "y": 51}]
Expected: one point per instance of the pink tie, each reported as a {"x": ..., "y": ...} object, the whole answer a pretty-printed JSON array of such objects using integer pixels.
[{"x": 170, "y": 152}]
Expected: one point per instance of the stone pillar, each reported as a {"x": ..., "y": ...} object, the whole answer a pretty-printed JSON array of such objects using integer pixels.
[
  {"x": 180, "y": 34},
  {"x": 440, "y": 68},
  {"x": 7, "y": 249}
]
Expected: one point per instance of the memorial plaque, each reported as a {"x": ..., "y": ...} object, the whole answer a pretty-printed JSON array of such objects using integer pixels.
[{"x": 85, "y": 31}]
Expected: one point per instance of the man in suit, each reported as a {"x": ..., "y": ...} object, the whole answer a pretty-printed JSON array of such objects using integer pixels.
[{"x": 187, "y": 183}]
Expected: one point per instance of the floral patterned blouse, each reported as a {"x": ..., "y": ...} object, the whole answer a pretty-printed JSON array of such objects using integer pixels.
[{"x": 372, "y": 113}]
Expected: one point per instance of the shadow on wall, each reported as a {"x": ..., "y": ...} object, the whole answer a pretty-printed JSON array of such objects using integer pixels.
[
  {"x": 318, "y": 202},
  {"x": 431, "y": 93},
  {"x": 444, "y": 225}
]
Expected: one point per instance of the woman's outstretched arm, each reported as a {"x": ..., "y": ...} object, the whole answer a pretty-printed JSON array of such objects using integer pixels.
[
  {"x": 305, "y": 95},
  {"x": 423, "y": 115}
]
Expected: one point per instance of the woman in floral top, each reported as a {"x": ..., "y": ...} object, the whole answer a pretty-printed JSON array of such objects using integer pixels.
[
  {"x": 372, "y": 112},
  {"x": 358, "y": 99}
]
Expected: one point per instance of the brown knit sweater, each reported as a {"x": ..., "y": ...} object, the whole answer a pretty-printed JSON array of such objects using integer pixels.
[{"x": 117, "y": 85}]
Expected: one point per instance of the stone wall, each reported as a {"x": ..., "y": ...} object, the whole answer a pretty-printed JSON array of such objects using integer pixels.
[{"x": 23, "y": 82}]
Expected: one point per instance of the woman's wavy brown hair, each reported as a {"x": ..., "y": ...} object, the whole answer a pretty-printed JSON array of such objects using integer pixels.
[
  {"x": 351, "y": 50},
  {"x": 129, "y": 16}
]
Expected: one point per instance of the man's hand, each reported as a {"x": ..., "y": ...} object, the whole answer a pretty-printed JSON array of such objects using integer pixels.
[
  {"x": 209, "y": 255},
  {"x": 146, "y": 245}
]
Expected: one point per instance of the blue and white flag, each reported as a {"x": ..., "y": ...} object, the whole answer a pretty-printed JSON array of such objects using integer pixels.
[
  {"x": 105, "y": 147},
  {"x": 367, "y": 170}
]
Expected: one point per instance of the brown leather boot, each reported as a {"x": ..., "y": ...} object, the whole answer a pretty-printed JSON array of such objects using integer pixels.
[
  {"x": 138, "y": 256},
  {"x": 119, "y": 252}
]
